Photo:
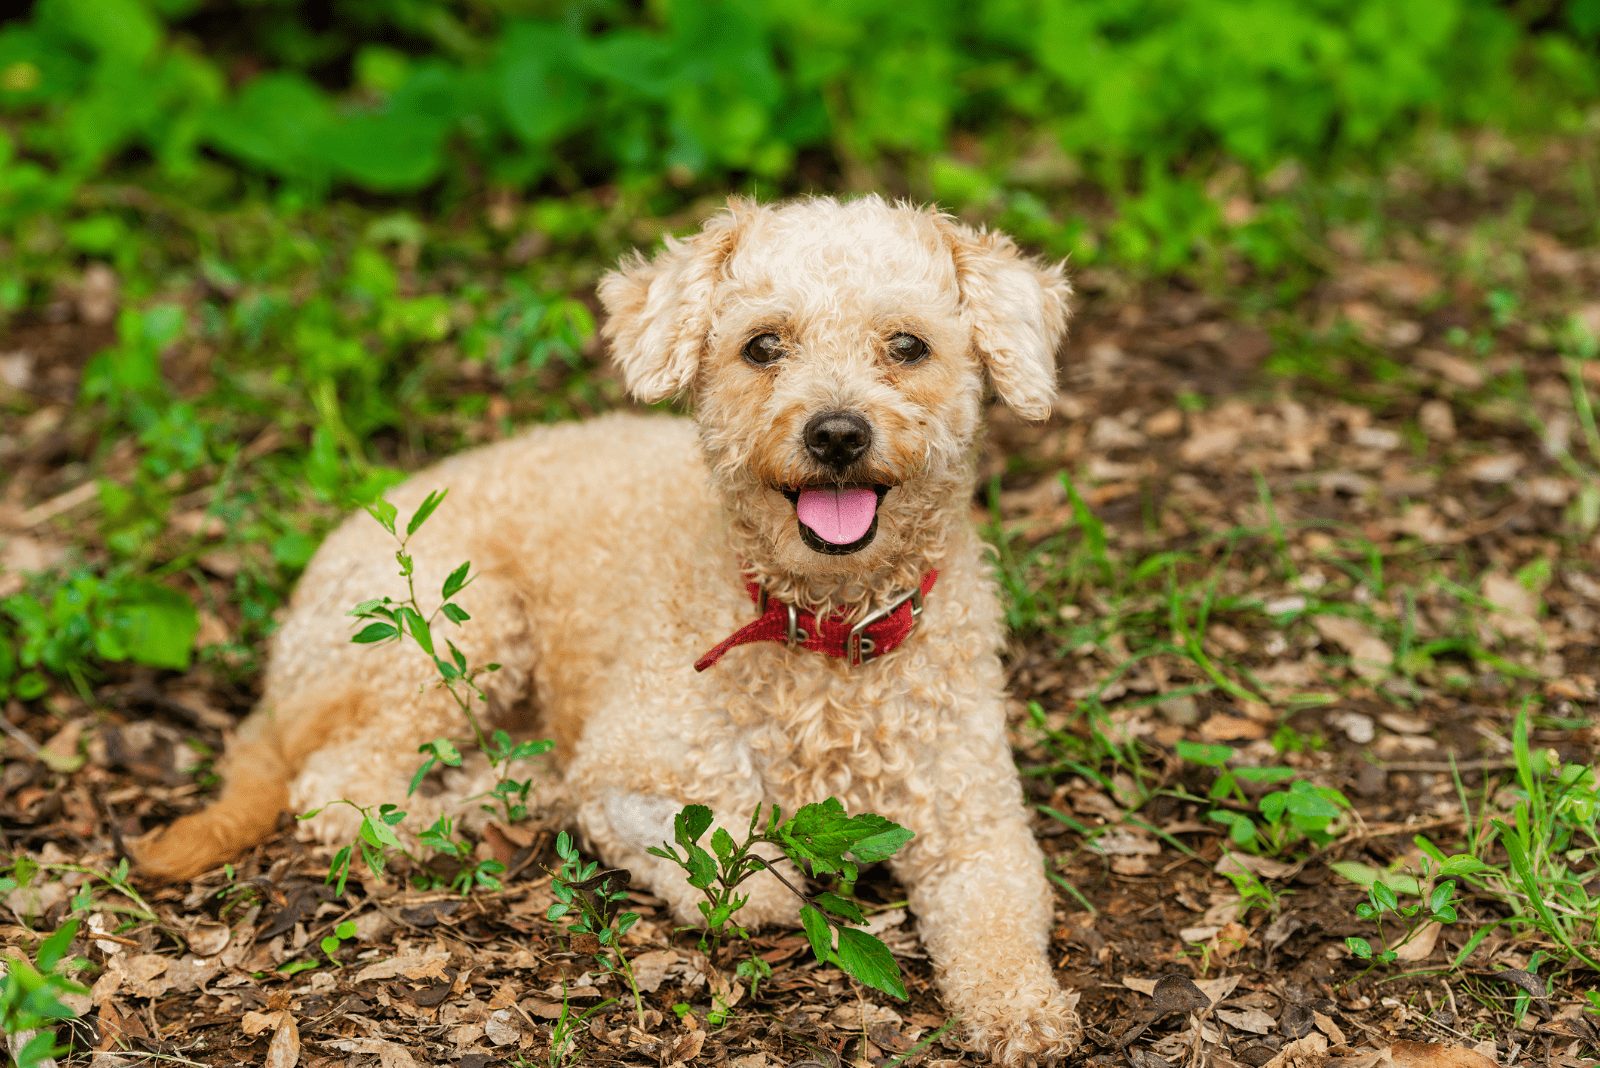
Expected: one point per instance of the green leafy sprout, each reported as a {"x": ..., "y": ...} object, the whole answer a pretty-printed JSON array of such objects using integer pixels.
[{"x": 821, "y": 837}]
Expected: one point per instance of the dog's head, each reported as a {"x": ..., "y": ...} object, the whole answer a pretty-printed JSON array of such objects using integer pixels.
[{"x": 835, "y": 356}]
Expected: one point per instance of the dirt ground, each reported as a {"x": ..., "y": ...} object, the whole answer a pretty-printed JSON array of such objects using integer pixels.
[{"x": 1404, "y": 468}]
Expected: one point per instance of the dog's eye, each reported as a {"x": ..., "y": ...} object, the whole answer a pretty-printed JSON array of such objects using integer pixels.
[
  {"x": 907, "y": 348},
  {"x": 764, "y": 349}
]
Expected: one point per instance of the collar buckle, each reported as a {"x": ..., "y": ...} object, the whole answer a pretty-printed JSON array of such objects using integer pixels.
[
  {"x": 859, "y": 646},
  {"x": 795, "y": 635}
]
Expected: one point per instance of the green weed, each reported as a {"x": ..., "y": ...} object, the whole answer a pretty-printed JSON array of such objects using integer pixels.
[
  {"x": 388, "y": 620},
  {"x": 1549, "y": 843},
  {"x": 1282, "y": 818},
  {"x": 564, "y": 1031},
  {"x": 330, "y": 944},
  {"x": 821, "y": 837},
  {"x": 30, "y": 998},
  {"x": 596, "y": 897},
  {"x": 1435, "y": 904}
]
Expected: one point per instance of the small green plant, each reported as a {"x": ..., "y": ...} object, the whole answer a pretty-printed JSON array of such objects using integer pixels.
[
  {"x": 1282, "y": 818},
  {"x": 821, "y": 837},
  {"x": 1228, "y": 779},
  {"x": 62, "y": 623},
  {"x": 376, "y": 840},
  {"x": 23, "y": 870},
  {"x": 235, "y": 894},
  {"x": 388, "y": 620},
  {"x": 30, "y": 997},
  {"x": 393, "y": 621},
  {"x": 330, "y": 943},
  {"x": 1435, "y": 904},
  {"x": 596, "y": 896},
  {"x": 1254, "y": 892},
  {"x": 470, "y": 872},
  {"x": 1549, "y": 842},
  {"x": 597, "y": 899},
  {"x": 378, "y": 843},
  {"x": 564, "y": 1031}
]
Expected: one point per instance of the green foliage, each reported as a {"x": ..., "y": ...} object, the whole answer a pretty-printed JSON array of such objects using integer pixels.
[
  {"x": 63, "y": 624},
  {"x": 1435, "y": 904},
  {"x": 564, "y": 1030},
  {"x": 707, "y": 86},
  {"x": 376, "y": 840},
  {"x": 1548, "y": 842},
  {"x": 30, "y": 996},
  {"x": 471, "y": 873},
  {"x": 1381, "y": 900},
  {"x": 596, "y": 898},
  {"x": 331, "y": 943},
  {"x": 315, "y": 379},
  {"x": 821, "y": 837},
  {"x": 389, "y": 620},
  {"x": 1283, "y": 817}
]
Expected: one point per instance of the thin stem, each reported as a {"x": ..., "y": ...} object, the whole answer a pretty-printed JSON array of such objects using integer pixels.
[{"x": 627, "y": 969}]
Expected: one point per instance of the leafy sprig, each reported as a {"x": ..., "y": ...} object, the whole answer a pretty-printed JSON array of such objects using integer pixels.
[
  {"x": 596, "y": 898},
  {"x": 821, "y": 837}
]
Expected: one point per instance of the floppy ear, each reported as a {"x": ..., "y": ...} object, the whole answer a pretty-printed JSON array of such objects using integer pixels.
[
  {"x": 1017, "y": 308},
  {"x": 660, "y": 312}
]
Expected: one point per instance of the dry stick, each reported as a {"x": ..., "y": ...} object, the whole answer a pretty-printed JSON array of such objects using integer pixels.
[{"x": 42, "y": 513}]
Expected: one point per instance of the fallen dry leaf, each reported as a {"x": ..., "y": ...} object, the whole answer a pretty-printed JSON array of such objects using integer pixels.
[
  {"x": 1515, "y": 607},
  {"x": 1502, "y": 467},
  {"x": 650, "y": 969},
  {"x": 1240, "y": 863},
  {"x": 501, "y": 1027},
  {"x": 1254, "y": 1021},
  {"x": 207, "y": 938},
  {"x": 1420, "y": 947},
  {"x": 284, "y": 1050},
  {"x": 1370, "y": 657},
  {"x": 390, "y": 1054},
  {"x": 1453, "y": 369},
  {"x": 1326, "y": 1025},
  {"x": 428, "y": 964},
  {"x": 1308, "y": 1052},
  {"x": 1232, "y": 938},
  {"x": 1404, "y": 1054},
  {"x": 1225, "y": 728},
  {"x": 687, "y": 1047},
  {"x": 253, "y": 1023},
  {"x": 1124, "y": 842}
]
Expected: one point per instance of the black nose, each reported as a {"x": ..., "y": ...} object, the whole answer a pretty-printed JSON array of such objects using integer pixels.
[{"x": 838, "y": 439}]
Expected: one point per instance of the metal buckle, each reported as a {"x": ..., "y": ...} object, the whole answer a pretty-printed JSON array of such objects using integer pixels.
[
  {"x": 796, "y": 635},
  {"x": 859, "y": 648}
]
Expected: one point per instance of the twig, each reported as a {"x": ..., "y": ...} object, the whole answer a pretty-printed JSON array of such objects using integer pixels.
[
  {"x": 1441, "y": 765},
  {"x": 45, "y": 511},
  {"x": 20, "y": 738}
]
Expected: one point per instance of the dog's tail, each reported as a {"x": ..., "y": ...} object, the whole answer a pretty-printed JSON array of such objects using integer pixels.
[{"x": 245, "y": 815}]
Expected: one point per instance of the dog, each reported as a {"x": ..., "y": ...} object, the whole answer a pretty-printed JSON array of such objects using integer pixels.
[{"x": 779, "y": 601}]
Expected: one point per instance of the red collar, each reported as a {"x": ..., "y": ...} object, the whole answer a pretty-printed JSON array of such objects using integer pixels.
[{"x": 869, "y": 638}]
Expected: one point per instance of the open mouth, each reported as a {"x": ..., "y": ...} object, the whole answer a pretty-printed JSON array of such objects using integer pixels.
[{"x": 837, "y": 520}]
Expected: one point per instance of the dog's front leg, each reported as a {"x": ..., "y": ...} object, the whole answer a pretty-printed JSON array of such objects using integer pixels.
[{"x": 976, "y": 881}]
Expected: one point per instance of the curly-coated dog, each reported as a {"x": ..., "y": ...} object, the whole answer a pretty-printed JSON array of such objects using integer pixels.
[{"x": 780, "y": 601}]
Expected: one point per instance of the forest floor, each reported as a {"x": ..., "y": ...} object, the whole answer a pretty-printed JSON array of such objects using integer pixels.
[{"x": 1352, "y": 534}]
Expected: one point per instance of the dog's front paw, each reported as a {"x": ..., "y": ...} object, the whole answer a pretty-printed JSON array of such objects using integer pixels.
[{"x": 1027, "y": 1031}]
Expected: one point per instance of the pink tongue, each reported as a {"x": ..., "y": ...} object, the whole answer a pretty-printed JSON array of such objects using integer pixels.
[{"x": 838, "y": 515}]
